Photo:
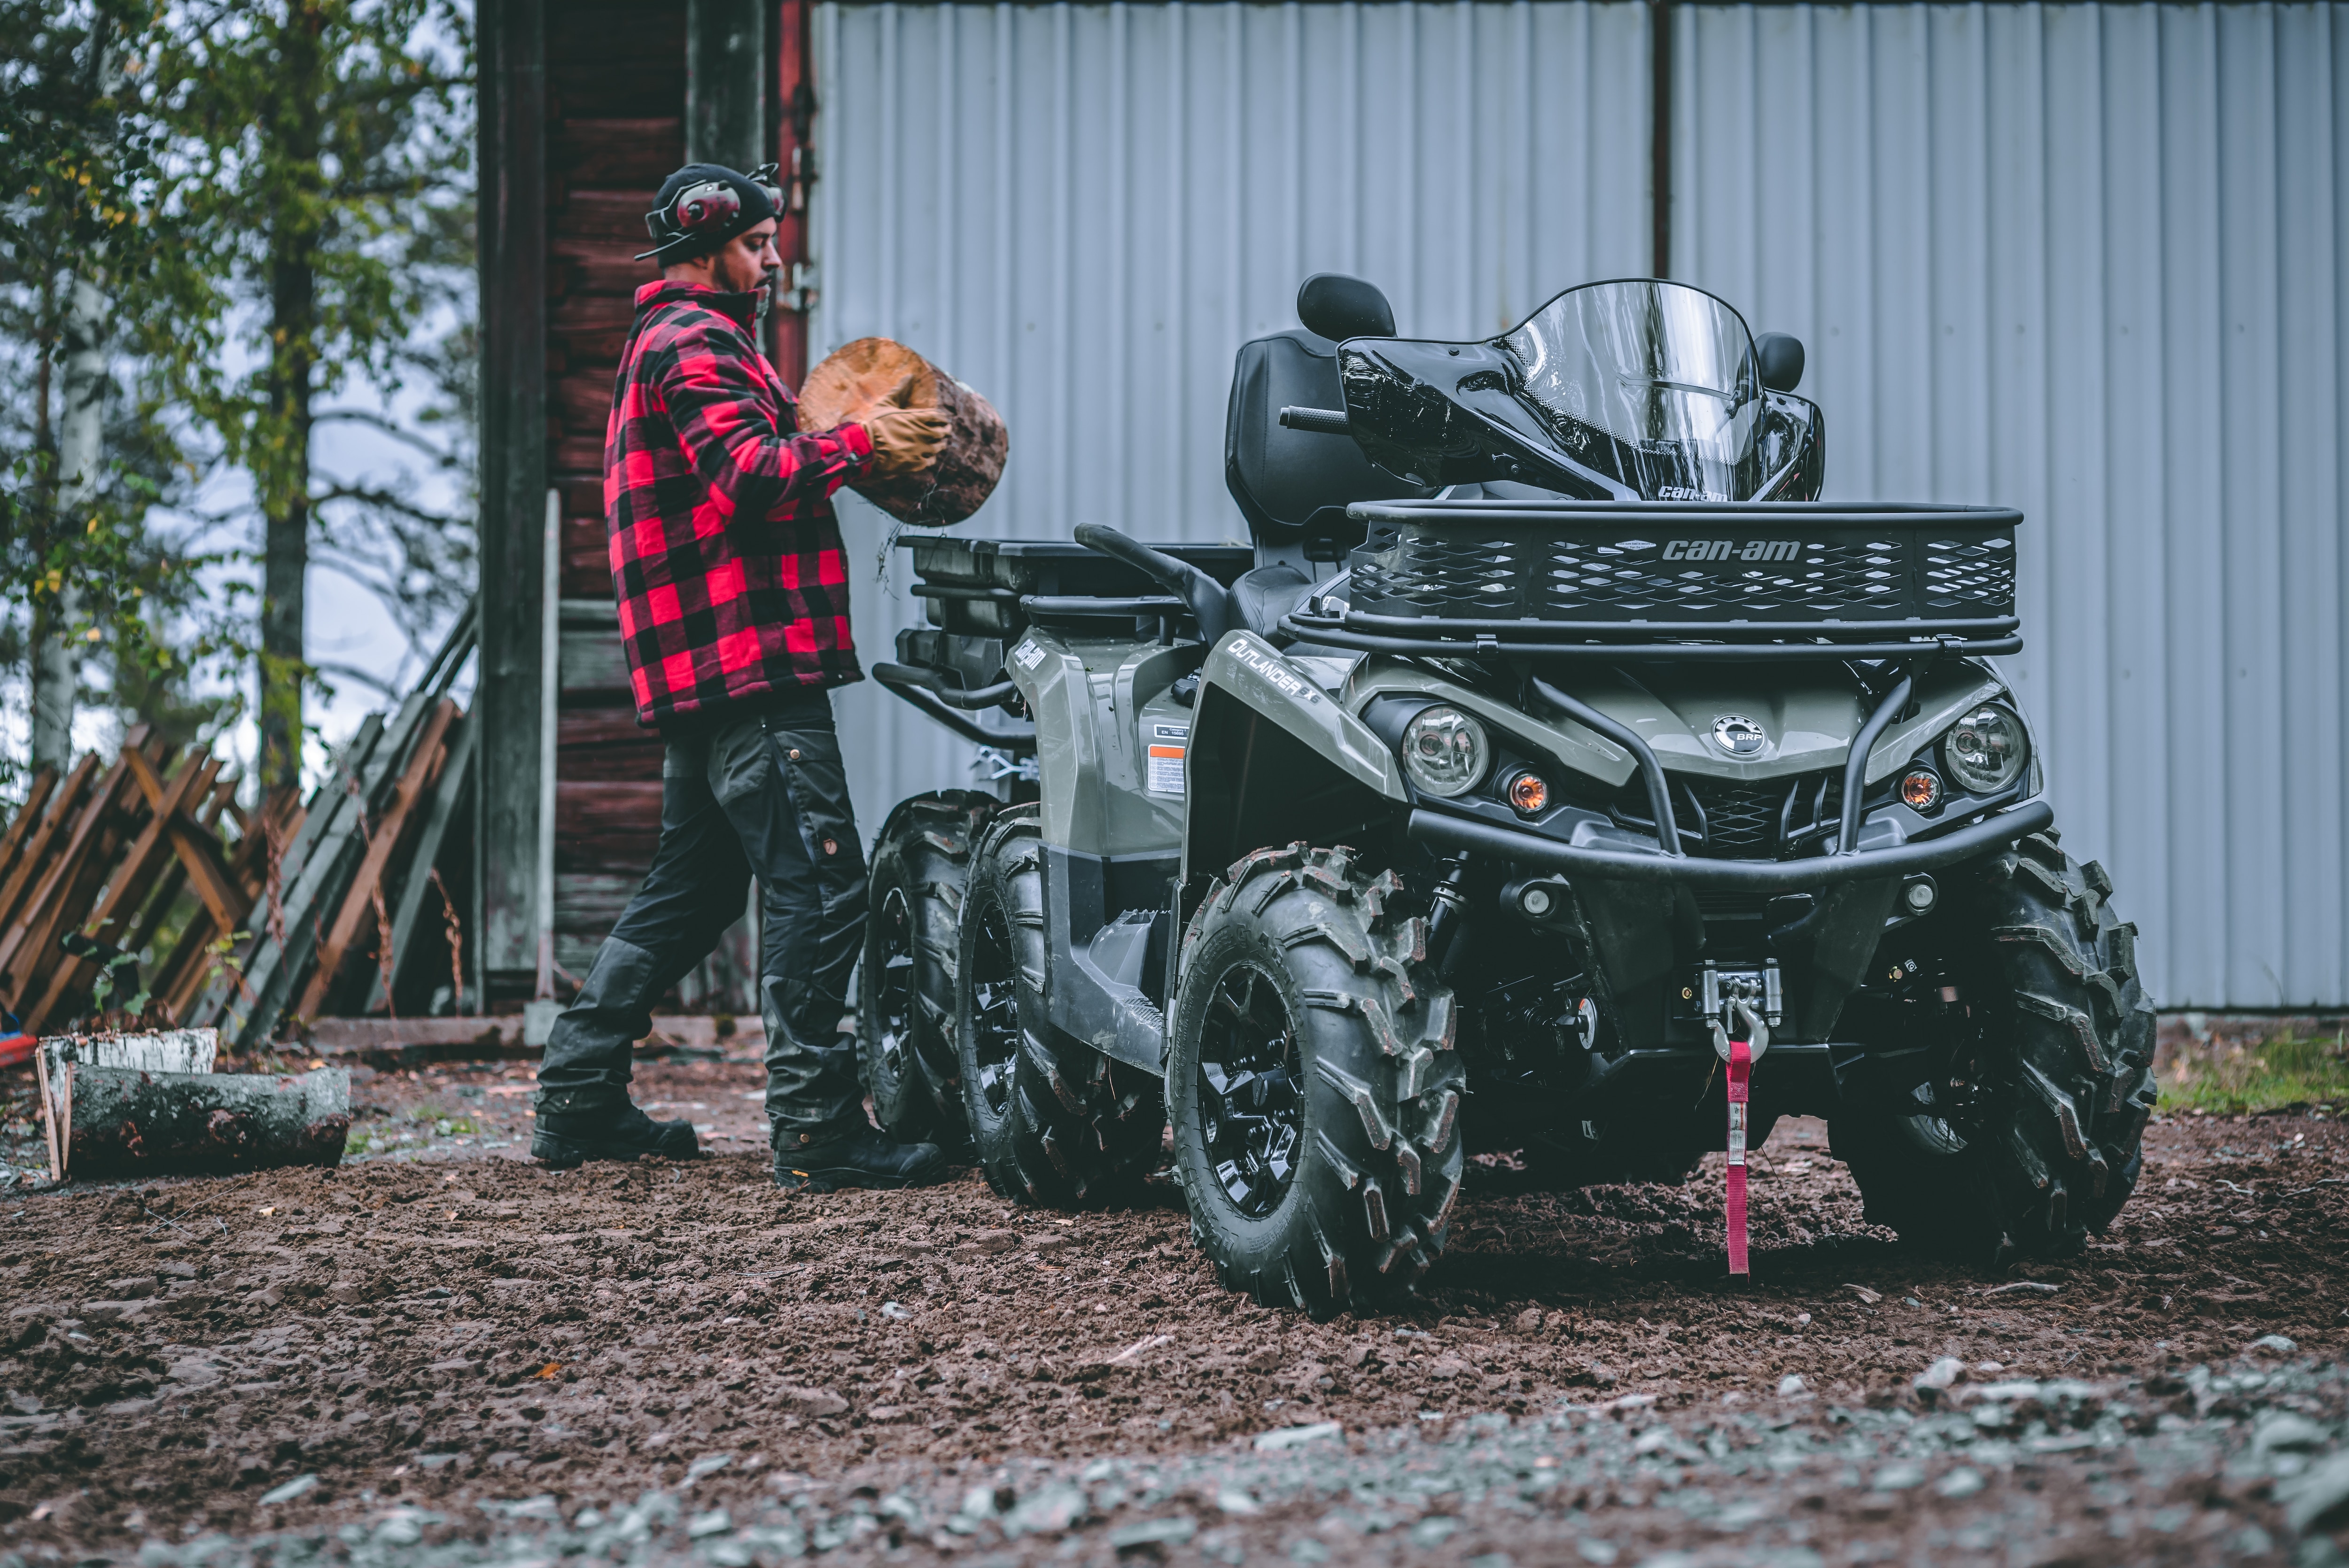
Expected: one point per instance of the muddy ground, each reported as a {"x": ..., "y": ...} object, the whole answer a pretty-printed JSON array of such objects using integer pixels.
[{"x": 442, "y": 1353}]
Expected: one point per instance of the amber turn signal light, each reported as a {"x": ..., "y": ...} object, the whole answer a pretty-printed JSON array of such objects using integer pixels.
[
  {"x": 1921, "y": 790},
  {"x": 1528, "y": 793}
]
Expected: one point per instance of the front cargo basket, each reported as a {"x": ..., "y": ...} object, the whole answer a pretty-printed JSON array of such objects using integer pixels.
[{"x": 1620, "y": 580}]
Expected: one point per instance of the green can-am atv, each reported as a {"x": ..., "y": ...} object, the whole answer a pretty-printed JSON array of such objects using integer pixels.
[{"x": 1553, "y": 744}]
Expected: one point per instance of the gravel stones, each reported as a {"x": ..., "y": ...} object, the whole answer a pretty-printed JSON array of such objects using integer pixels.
[{"x": 2319, "y": 1498}]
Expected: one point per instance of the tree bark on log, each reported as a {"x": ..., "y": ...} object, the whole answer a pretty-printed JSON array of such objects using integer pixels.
[
  {"x": 872, "y": 373},
  {"x": 122, "y": 1122}
]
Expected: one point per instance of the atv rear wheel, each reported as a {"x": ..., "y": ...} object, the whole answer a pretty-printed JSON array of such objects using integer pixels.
[
  {"x": 1054, "y": 1121},
  {"x": 2061, "y": 1065},
  {"x": 905, "y": 989},
  {"x": 1313, "y": 1087},
  {"x": 998, "y": 987}
]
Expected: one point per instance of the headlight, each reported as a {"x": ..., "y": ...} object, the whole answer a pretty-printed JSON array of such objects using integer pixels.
[
  {"x": 1444, "y": 751},
  {"x": 1986, "y": 751}
]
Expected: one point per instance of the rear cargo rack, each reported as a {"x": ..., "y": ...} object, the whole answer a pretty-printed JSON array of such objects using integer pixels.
[{"x": 1577, "y": 580}]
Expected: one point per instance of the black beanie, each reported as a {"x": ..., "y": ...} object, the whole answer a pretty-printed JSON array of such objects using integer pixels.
[{"x": 671, "y": 244}]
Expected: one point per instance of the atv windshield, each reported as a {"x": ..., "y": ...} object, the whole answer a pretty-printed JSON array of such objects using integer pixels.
[{"x": 1652, "y": 383}]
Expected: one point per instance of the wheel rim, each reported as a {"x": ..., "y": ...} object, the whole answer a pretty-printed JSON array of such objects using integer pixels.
[
  {"x": 894, "y": 983},
  {"x": 995, "y": 1014},
  {"x": 1251, "y": 1089}
]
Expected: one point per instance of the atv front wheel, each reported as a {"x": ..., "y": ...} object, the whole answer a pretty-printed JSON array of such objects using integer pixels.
[
  {"x": 2059, "y": 1072},
  {"x": 906, "y": 982},
  {"x": 1313, "y": 1085}
]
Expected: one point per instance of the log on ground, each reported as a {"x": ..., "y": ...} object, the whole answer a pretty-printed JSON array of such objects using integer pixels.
[{"x": 127, "y": 1122}]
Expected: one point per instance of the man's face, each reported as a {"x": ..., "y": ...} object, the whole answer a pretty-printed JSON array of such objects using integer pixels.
[{"x": 748, "y": 261}]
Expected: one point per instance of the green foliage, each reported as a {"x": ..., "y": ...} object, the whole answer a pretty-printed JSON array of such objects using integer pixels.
[
  {"x": 274, "y": 196},
  {"x": 78, "y": 171},
  {"x": 2224, "y": 1076}
]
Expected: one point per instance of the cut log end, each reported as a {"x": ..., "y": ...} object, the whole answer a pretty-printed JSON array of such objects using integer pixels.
[{"x": 873, "y": 373}]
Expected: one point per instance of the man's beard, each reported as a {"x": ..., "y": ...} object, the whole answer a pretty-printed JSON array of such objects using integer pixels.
[{"x": 762, "y": 294}]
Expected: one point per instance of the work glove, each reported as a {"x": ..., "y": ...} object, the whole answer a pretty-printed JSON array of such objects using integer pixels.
[{"x": 905, "y": 441}]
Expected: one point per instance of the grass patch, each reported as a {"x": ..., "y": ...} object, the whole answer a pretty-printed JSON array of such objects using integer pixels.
[{"x": 2240, "y": 1078}]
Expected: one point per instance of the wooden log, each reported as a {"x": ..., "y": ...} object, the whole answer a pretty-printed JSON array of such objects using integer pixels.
[
  {"x": 125, "y": 1121},
  {"x": 154, "y": 1051},
  {"x": 873, "y": 373}
]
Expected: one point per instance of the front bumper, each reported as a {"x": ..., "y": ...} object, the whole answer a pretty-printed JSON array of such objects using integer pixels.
[{"x": 1805, "y": 874}]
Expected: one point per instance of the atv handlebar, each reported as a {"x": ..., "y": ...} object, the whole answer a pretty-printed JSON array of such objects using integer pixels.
[
  {"x": 1209, "y": 602},
  {"x": 1320, "y": 421},
  {"x": 1811, "y": 872}
]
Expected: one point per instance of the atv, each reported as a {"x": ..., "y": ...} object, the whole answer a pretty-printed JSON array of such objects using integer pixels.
[{"x": 1557, "y": 778}]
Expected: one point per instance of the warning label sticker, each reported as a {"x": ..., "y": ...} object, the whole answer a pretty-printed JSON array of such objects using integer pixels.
[{"x": 1165, "y": 775}]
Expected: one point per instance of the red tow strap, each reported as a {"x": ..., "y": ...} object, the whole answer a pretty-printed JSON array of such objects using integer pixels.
[{"x": 1741, "y": 1073}]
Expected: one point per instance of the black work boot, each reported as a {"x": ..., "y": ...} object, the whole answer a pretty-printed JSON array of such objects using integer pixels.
[
  {"x": 627, "y": 1133},
  {"x": 854, "y": 1156}
]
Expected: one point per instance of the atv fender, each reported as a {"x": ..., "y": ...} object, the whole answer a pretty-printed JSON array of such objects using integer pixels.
[{"x": 1274, "y": 758}]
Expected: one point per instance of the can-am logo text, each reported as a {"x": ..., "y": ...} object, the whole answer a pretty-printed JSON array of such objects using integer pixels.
[{"x": 1730, "y": 550}]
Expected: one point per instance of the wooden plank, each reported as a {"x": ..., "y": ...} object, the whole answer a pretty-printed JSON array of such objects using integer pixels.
[
  {"x": 332, "y": 830},
  {"x": 591, "y": 314},
  {"x": 513, "y": 40},
  {"x": 47, "y": 834},
  {"x": 170, "y": 885},
  {"x": 229, "y": 988},
  {"x": 37, "y": 796},
  {"x": 583, "y": 401},
  {"x": 24, "y": 949},
  {"x": 577, "y": 267},
  {"x": 383, "y": 840},
  {"x": 143, "y": 773},
  {"x": 605, "y": 744},
  {"x": 456, "y": 774},
  {"x": 616, "y": 154},
  {"x": 200, "y": 853},
  {"x": 358, "y": 787},
  {"x": 611, "y": 826},
  {"x": 128, "y": 883}
]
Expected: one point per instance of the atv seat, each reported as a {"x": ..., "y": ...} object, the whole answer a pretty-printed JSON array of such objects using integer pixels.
[
  {"x": 1264, "y": 594},
  {"x": 1294, "y": 485}
]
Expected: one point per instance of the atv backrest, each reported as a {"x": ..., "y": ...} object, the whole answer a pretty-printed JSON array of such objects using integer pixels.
[{"x": 1294, "y": 485}]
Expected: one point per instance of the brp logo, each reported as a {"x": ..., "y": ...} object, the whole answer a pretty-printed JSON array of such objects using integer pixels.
[{"x": 1739, "y": 735}]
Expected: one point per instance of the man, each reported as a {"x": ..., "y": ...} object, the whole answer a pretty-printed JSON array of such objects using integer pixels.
[{"x": 734, "y": 599}]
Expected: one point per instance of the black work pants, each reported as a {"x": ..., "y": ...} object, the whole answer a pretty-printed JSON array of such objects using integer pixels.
[{"x": 766, "y": 797}]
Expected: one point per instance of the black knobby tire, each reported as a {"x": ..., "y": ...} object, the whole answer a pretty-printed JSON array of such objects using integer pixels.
[
  {"x": 2063, "y": 1066},
  {"x": 1313, "y": 1085},
  {"x": 1054, "y": 1121},
  {"x": 906, "y": 990}
]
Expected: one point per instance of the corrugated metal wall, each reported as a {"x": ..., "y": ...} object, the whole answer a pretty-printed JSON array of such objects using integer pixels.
[
  {"x": 2088, "y": 261},
  {"x": 2083, "y": 260},
  {"x": 1084, "y": 211}
]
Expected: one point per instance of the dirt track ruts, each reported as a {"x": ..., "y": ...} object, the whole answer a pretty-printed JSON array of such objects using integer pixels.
[{"x": 437, "y": 1341}]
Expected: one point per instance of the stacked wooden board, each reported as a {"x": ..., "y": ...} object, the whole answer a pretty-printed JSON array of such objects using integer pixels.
[
  {"x": 244, "y": 918},
  {"x": 115, "y": 853}
]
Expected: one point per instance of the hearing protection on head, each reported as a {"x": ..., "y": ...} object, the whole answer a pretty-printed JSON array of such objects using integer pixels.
[{"x": 707, "y": 214}]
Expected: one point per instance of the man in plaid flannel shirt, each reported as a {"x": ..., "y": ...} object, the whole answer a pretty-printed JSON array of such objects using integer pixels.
[{"x": 733, "y": 598}]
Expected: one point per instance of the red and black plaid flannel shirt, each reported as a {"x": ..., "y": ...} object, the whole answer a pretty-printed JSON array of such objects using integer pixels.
[{"x": 726, "y": 556}]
